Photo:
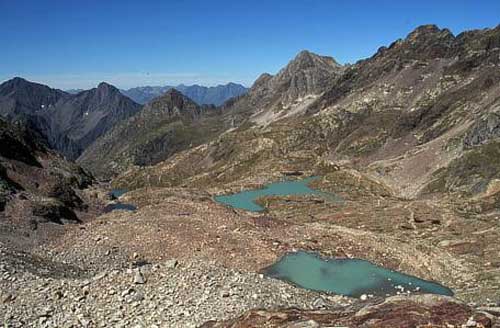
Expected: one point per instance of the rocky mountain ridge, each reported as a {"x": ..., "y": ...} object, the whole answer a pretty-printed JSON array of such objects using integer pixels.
[
  {"x": 304, "y": 77},
  {"x": 167, "y": 124},
  {"x": 69, "y": 122},
  {"x": 425, "y": 92},
  {"x": 407, "y": 139}
]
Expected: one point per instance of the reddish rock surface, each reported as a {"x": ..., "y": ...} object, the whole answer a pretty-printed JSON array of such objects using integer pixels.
[{"x": 403, "y": 312}]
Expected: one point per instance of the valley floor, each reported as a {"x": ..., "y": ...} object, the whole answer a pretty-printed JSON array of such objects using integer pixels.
[{"x": 182, "y": 259}]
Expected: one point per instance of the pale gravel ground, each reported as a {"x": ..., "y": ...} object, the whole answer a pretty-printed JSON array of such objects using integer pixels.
[{"x": 186, "y": 295}]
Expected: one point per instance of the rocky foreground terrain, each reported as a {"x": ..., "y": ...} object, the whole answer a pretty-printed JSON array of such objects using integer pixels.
[
  {"x": 182, "y": 260},
  {"x": 409, "y": 139}
]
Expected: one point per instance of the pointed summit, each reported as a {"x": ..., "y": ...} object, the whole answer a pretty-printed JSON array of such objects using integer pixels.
[
  {"x": 20, "y": 97},
  {"x": 306, "y": 74},
  {"x": 423, "y": 43},
  {"x": 105, "y": 85},
  {"x": 173, "y": 102},
  {"x": 18, "y": 81},
  {"x": 86, "y": 116},
  {"x": 106, "y": 89},
  {"x": 430, "y": 31},
  {"x": 306, "y": 59}
]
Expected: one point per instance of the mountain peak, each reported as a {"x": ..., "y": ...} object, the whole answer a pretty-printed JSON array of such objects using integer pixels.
[
  {"x": 105, "y": 90},
  {"x": 106, "y": 86},
  {"x": 172, "y": 103},
  {"x": 174, "y": 96},
  {"x": 17, "y": 82},
  {"x": 307, "y": 60},
  {"x": 305, "y": 55},
  {"x": 424, "y": 42},
  {"x": 429, "y": 31},
  {"x": 306, "y": 74},
  {"x": 29, "y": 96},
  {"x": 171, "y": 98},
  {"x": 18, "y": 79}
]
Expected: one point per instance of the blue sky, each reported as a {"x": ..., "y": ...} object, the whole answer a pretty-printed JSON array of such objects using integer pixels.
[{"x": 76, "y": 44}]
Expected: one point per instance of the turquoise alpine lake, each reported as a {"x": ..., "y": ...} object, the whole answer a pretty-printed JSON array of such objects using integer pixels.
[
  {"x": 246, "y": 199},
  {"x": 348, "y": 277}
]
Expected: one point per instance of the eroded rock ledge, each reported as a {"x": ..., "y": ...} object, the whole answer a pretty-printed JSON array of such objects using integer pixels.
[{"x": 397, "y": 311}]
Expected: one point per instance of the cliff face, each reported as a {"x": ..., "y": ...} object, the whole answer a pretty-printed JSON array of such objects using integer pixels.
[{"x": 37, "y": 186}]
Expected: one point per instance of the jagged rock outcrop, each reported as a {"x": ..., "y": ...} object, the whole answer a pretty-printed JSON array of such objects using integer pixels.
[
  {"x": 415, "y": 311},
  {"x": 36, "y": 184},
  {"x": 483, "y": 131},
  {"x": 172, "y": 104},
  {"x": 307, "y": 75}
]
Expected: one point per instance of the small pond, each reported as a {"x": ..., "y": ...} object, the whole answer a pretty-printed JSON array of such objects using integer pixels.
[
  {"x": 349, "y": 277},
  {"x": 119, "y": 206},
  {"x": 115, "y": 194},
  {"x": 246, "y": 200}
]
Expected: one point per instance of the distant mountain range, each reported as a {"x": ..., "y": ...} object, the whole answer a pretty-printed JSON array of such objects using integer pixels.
[
  {"x": 69, "y": 122},
  {"x": 74, "y": 91},
  {"x": 200, "y": 94}
]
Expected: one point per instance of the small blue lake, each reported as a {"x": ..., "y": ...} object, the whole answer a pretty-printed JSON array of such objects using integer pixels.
[
  {"x": 349, "y": 277},
  {"x": 246, "y": 200},
  {"x": 119, "y": 206},
  {"x": 115, "y": 194}
]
